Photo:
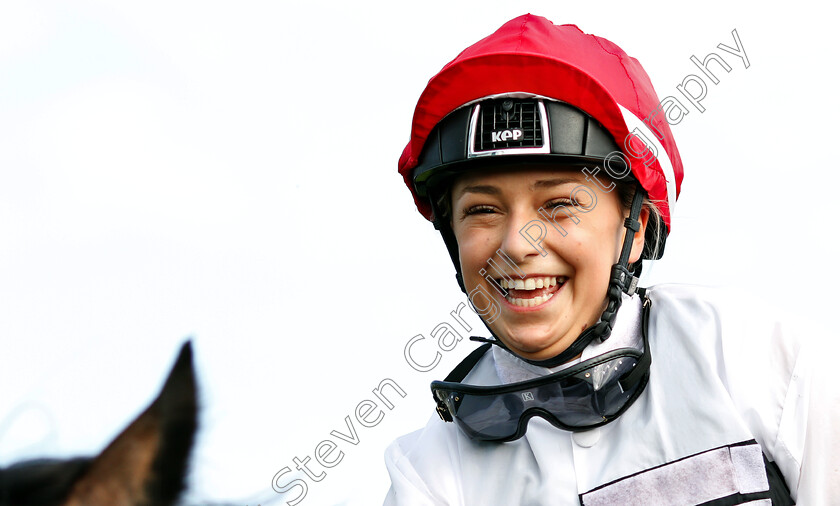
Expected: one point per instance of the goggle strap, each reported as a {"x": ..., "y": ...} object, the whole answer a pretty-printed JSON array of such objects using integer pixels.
[
  {"x": 635, "y": 376},
  {"x": 461, "y": 370},
  {"x": 457, "y": 375},
  {"x": 632, "y": 380}
]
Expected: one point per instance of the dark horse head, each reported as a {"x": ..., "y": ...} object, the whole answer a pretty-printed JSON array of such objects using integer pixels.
[{"x": 145, "y": 465}]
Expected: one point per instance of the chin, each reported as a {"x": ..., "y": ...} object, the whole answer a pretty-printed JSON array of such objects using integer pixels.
[{"x": 534, "y": 347}]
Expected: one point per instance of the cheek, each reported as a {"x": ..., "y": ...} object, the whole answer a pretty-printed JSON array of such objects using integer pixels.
[
  {"x": 474, "y": 243},
  {"x": 593, "y": 249},
  {"x": 473, "y": 249}
]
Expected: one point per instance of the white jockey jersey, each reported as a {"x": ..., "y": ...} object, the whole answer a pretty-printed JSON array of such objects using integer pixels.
[{"x": 723, "y": 420}]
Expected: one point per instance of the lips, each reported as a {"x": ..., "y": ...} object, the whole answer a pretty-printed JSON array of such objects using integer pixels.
[{"x": 531, "y": 291}]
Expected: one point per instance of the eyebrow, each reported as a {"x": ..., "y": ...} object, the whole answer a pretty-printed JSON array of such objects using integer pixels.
[
  {"x": 480, "y": 188},
  {"x": 487, "y": 189},
  {"x": 549, "y": 183}
]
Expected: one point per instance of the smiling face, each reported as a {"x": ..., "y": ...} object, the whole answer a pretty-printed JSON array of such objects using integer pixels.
[{"x": 565, "y": 281}]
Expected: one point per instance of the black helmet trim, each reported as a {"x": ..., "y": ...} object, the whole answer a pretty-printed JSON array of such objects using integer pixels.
[
  {"x": 514, "y": 124},
  {"x": 540, "y": 130}
]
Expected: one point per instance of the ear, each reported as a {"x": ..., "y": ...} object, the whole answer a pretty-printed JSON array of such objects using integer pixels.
[
  {"x": 40, "y": 482},
  {"x": 639, "y": 237},
  {"x": 147, "y": 462}
]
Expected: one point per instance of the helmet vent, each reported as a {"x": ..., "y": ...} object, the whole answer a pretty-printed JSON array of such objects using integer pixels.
[{"x": 508, "y": 123}]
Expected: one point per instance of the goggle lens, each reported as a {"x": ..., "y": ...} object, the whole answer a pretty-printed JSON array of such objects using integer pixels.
[{"x": 582, "y": 400}]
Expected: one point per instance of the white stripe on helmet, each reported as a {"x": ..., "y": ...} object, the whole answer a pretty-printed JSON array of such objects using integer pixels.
[{"x": 633, "y": 123}]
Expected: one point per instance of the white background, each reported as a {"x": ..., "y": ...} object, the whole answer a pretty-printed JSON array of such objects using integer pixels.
[{"x": 227, "y": 172}]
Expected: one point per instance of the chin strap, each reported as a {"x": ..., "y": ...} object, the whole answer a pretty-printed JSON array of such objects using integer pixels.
[{"x": 621, "y": 280}]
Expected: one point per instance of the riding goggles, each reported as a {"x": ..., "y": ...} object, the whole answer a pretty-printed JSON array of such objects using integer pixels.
[{"x": 581, "y": 397}]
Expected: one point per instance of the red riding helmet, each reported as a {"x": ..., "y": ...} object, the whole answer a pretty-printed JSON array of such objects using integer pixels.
[{"x": 544, "y": 93}]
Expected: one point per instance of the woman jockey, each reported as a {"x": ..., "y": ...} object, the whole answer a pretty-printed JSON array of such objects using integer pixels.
[{"x": 545, "y": 159}]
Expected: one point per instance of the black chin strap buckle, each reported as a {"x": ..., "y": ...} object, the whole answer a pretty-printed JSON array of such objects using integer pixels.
[{"x": 623, "y": 279}]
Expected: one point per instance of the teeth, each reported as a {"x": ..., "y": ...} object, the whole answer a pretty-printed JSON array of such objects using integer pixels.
[
  {"x": 535, "y": 301},
  {"x": 528, "y": 284}
]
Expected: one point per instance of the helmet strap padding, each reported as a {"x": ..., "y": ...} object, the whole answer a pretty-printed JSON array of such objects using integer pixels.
[{"x": 441, "y": 223}]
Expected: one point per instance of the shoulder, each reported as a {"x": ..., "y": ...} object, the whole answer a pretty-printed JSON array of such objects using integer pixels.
[
  {"x": 420, "y": 465},
  {"x": 754, "y": 348},
  {"x": 739, "y": 323},
  {"x": 753, "y": 345},
  {"x": 414, "y": 446},
  {"x": 705, "y": 300}
]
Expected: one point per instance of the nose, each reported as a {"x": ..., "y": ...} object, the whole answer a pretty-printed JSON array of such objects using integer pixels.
[{"x": 523, "y": 237}]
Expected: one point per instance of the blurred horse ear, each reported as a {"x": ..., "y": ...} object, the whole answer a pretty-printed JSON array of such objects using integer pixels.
[
  {"x": 147, "y": 462},
  {"x": 40, "y": 482}
]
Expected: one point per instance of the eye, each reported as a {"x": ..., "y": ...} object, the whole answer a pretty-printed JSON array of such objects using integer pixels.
[
  {"x": 553, "y": 204},
  {"x": 479, "y": 209}
]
